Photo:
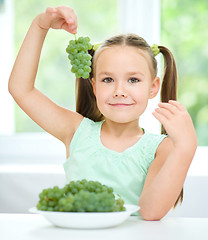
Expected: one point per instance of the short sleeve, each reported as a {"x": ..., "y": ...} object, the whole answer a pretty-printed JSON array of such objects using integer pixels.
[
  {"x": 150, "y": 147},
  {"x": 84, "y": 128}
]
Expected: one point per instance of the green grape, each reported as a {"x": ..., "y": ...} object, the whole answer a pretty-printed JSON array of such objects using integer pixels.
[
  {"x": 86, "y": 68},
  {"x": 80, "y": 47},
  {"x": 88, "y": 63},
  {"x": 81, "y": 40},
  {"x": 71, "y": 57},
  {"x": 49, "y": 198},
  {"x": 88, "y": 57},
  {"x": 74, "y": 68},
  {"x": 78, "y": 55},
  {"x": 74, "y": 51},
  {"x": 87, "y": 39},
  {"x": 80, "y": 196},
  {"x": 78, "y": 75},
  {"x": 75, "y": 62},
  {"x": 81, "y": 66},
  {"x": 72, "y": 42},
  {"x": 85, "y": 75}
]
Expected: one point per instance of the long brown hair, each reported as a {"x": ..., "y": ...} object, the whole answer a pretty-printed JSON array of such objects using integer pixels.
[{"x": 85, "y": 98}]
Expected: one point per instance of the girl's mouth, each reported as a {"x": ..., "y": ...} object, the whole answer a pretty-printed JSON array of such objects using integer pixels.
[{"x": 120, "y": 104}]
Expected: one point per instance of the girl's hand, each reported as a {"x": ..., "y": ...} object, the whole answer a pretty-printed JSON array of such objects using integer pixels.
[
  {"x": 178, "y": 124},
  {"x": 58, "y": 18}
]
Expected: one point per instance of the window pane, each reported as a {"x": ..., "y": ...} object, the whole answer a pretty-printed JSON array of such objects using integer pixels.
[
  {"x": 97, "y": 19},
  {"x": 184, "y": 31}
]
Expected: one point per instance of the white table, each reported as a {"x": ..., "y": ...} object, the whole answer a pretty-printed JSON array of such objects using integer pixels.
[{"x": 34, "y": 226}]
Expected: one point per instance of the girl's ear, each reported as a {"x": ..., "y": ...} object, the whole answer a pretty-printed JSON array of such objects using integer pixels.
[
  {"x": 93, "y": 86},
  {"x": 155, "y": 87}
]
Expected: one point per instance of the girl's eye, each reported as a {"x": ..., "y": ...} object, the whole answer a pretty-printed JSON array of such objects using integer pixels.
[
  {"x": 108, "y": 80},
  {"x": 133, "y": 80}
]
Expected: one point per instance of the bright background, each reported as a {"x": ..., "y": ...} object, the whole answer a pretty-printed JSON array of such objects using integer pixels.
[{"x": 183, "y": 30}]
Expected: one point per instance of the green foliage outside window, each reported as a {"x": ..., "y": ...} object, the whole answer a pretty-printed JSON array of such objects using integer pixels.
[
  {"x": 184, "y": 31},
  {"x": 97, "y": 19}
]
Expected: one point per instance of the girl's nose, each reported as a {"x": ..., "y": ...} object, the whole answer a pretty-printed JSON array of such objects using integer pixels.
[{"x": 120, "y": 91}]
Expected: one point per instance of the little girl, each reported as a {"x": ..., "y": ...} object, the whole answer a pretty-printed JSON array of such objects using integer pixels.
[{"x": 103, "y": 139}]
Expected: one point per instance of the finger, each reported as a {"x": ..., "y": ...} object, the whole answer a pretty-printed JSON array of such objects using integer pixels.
[
  {"x": 69, "y": 28},
  {"x": 161, "y": 118},
  {"x": 72, "y": 20},
  {"x": 178, "y": 105},
  {"x": 164, "y": 112},
  {"x": 74, "y": 16},
  {"x": 72, "y": 24},
  {"x": 168, "y": 106},
  {"x": 51, "y": 10},
  {"x": 70, "y": 17}
]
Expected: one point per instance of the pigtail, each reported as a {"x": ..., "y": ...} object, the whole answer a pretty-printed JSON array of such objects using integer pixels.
[
  {"x": 85, "y": 99},
  {"x": 169, "y": 82},
  {"x": 169, "y": 89},
  {"x": 169, "y": 85}
]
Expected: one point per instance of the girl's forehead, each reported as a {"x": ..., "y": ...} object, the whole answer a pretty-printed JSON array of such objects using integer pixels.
[
  {"x": 120, "y": 48},
  {"x": 122, "y": 54}
]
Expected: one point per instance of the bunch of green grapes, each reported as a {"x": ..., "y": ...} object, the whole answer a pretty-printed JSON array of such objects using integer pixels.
[
  {"x": 49, "y": 198},
  {"x": 80, "y": 196},
  {"x": 80, "y": 58}
]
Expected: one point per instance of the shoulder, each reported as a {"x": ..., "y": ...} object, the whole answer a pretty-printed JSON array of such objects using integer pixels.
[
  {"x": 151, "y": 143},
  {"x": 153, "y": 138},
  {"x": 163, "y": 150},
  {"x": 84, "y": 127},
  {"x": 161, "y": 154},
  {"x": 76, "y": 120},
  {"x": 86, "y": 123}
]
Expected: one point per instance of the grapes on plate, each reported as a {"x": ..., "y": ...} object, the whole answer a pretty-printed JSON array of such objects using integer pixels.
[{"x": 80, "y": 196}]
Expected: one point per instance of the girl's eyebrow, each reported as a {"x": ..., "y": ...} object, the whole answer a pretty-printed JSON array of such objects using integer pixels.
[
  {"x": 105, "y": 73},
  {"x": 128, "y": 73},
  {"x": 135, "y": 73}
]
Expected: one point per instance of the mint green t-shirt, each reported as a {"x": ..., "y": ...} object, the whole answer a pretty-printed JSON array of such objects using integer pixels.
[{"x": 124, "y": 171}]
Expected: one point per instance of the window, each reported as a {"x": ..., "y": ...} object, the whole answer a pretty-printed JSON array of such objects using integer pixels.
[
  {"x": 96, "y": 19},
  {"x": 184, "y": 31},
  {"x": 100, "y": 19}
]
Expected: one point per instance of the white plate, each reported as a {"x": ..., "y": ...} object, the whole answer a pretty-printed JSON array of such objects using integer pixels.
[{"x": 87, "y": 220}]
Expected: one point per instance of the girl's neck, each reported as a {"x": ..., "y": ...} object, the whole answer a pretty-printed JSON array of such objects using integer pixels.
[
  {"x": 122, "y": 129},
  {"x": 120, "y": 136}
]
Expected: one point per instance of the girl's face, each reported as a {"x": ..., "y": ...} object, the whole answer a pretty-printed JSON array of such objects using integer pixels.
[{"x": 123, "y": 83}]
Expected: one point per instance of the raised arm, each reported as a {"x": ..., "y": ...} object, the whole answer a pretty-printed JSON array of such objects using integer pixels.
[
  {"x": 167, "y": 173},
  {"x": 56, "y": 120}
]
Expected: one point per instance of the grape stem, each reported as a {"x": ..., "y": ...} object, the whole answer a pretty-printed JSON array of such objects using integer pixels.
[{"x": 75, "y": 37}]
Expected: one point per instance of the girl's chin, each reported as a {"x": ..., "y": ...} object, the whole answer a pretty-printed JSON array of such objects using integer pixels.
[{"x": 122, "y": 119}]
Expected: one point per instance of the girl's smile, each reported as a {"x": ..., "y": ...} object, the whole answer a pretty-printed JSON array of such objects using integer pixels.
[{"x": 120, "y": 104}]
